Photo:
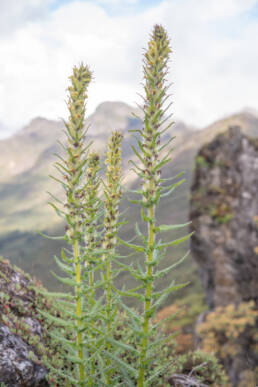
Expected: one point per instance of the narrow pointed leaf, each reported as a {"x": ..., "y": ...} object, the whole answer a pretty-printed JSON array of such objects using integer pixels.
[{"x": 175, "y": 242}]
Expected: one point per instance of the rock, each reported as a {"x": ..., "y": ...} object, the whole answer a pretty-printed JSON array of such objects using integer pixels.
[
  {"x": 20, "y": 325},
  {"x": 224, "y": 208},
  {"x": 16, "y": 368},
  {"x": 224, "y": 214},
  {"x": 25, "y": 341}
]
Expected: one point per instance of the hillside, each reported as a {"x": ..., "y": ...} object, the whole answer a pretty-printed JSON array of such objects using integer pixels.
[{"x": 26, "y": 161}]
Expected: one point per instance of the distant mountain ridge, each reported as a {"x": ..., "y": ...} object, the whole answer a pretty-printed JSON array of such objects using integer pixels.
[{"x": 26, "y": 160}]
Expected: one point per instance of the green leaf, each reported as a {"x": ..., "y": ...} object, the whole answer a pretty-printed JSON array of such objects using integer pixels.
[
  {"x": 128, "y": 293},
  {"x": 132, "y": 246},
  {"x": 167, "y": 143},
  {"x": 165, "y": 120},
  {"x": 131, "y": 370},
  {"x": 67, "y": 307},
  {"x": 135, "y": 201},
  {"x": 165, "y": 227},
  {"x": 65, "y": 268},
  {"x": 135, "y": 191},
  {"x": 175, "y": 242},
  {"x": 57, "y": 320},
  {"x": 139, "y": 233},
  {"x": 124, "y": 346},
  {"x": 137, "y": 274},
  {"x": 74, "y": 359},
  {"x": 138, "y": 154},
  {"x": 145, "y": 218},
  {"x": 63, "y": 374},
  {"x": 57, "y": 238},
  {"x": 56, "y": 295},
  {"x": 55, "y": 198},
  {"x": 173, "y": 177},
  {"x": 169, "y": 189},
  {"x": 133, "y": 314},
  {"x": 163, "y": 162},
  {"x": 65, "y": 258},
  {"x": 170, "y": 289},
  {"x": 63, "y": 168},
  {"x": 136, "y": 166},
  {"x": 161, "y": 322},
  {"x": 161, "y": 273},
  {"x": 62, "y": 339},
  {"x": 161, "y": 341},
  {"x": 59, "y": 181},
  {"x": 65, "y": 280},
  {"x": 161, "y": 371}
]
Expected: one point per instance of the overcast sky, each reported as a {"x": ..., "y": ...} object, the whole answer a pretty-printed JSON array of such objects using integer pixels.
[{"x": 214, "y": 64}]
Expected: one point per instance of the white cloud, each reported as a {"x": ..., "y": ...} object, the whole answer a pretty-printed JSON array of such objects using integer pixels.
[
  {"x": 214, "y": 63},
  {"x": 14, "y": 14}
]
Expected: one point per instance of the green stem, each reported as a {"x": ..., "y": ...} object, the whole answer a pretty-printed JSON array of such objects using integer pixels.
[
  {"x": 155, "y": 70},
  {"x": 91, "y": 283},
  {"x": 148, "y": 295},
  {"x": 79, "y": 310},
  {"x": 113, "y": 194},
  {"x": 108, "y": 313}
]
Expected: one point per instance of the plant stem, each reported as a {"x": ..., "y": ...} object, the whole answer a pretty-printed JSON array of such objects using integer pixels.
[
  {"x": 112, "y": 191},
  {"x": 92, "y": 205},
  {"x": 79, "y": 309},
  {"x": 156, "y": 58},
  {"x": 148, "y": 295}
]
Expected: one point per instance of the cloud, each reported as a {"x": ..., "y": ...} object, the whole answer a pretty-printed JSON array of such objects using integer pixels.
[
  {"x": 15, "y": 14},
  {"x": 213, "y": 67}
]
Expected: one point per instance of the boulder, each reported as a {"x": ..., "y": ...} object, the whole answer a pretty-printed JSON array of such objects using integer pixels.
[
  {"x": 224, "y": 215},
  {"x": 25, "y": 341},
  {"x": 224, "y": 212}
]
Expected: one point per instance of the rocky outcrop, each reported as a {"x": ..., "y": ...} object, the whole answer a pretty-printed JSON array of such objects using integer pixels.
[
  {"x": 25, "y": 341},
  {"x": 224, "y": 214}
]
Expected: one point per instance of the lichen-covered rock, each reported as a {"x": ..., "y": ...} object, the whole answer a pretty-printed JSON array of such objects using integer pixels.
[
  {"x": 16, "y": 367},
  {"x": 224, "y": 214},
  {"x": 25, "y": 341}
]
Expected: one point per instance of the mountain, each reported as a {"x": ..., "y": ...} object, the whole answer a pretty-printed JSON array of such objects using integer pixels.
[{"x": 26, "y": 160}]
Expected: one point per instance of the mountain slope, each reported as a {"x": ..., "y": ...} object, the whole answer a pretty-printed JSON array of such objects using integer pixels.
[{"x": 27, "y": 161}]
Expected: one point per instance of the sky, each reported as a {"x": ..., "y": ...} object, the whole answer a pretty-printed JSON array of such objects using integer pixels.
[{"x": 214, "y": 63}]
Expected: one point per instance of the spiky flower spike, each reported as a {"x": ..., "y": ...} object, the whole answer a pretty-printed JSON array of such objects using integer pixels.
[
  {"x": 72, "y": 169},
  {"x": 75, "y": 163},
  {"x": 112, "y": 192},
  {"x": 152, "y": 158},
  {"x": 92, "y": 205},
  {"x": 92, "y": 256}
]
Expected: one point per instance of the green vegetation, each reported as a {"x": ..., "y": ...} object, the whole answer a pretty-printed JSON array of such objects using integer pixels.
[
  {"x": 89, "y": 320},
  {"x": 19, "y": 305},
  {"x": 222, "y": 213},
  {"x": 203, "y": 366},
  {"x": 223, "y": 331},
  {"x": 99, "y": 338},
  {"x": 152, "y": 156},
  {"x": 201, "y": 161}
]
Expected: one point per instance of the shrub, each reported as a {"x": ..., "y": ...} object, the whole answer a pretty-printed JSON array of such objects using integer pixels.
[
  {"x": 223, "y": 327},
  {"x": 202, "y": 366}
]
